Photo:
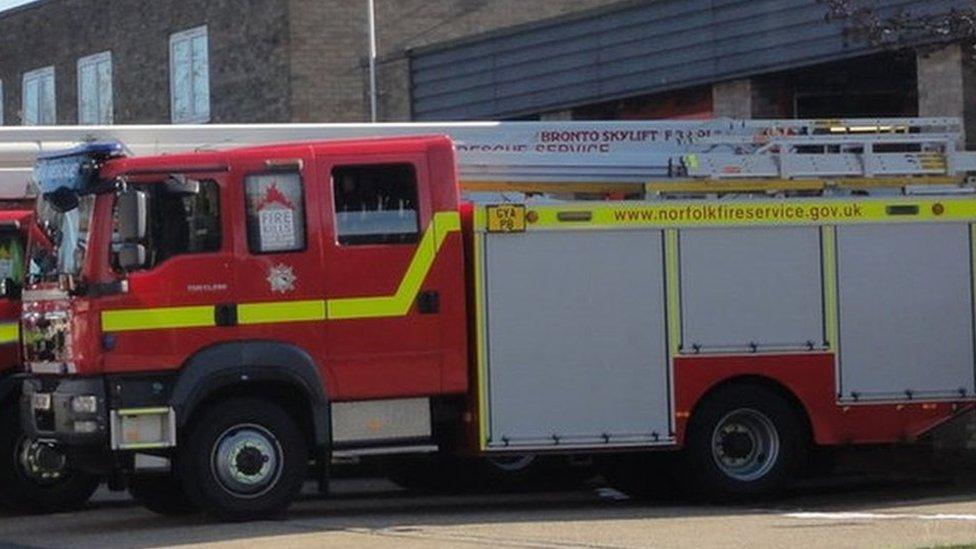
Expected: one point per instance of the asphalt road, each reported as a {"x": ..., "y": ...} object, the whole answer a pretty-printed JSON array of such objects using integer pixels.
[{"x": 851, "y": 512}]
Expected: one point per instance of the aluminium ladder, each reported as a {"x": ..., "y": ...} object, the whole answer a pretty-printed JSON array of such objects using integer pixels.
[{"x": 569, "y": 157}]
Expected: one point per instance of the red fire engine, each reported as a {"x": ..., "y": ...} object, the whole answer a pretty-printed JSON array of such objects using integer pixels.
[
  {"x": 33, "y": 475},
  {"x": 242, "y": 314}
]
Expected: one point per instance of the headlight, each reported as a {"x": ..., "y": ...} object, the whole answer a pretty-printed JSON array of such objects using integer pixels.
[
  {"x": 87, "y": 426},
  {"x": 84, "y": 404},
  {"x": 41, "y": 401}
]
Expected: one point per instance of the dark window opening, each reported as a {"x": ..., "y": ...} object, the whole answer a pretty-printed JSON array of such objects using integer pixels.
[
  {"x": 184, "y": 218},
  {"x": 11, "y": 255},
  {"x": 883, "y": 85},
  {"x": 376, "y": 204}
]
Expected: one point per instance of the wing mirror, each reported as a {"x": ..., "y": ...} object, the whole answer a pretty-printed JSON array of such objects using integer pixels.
[
  {"x": 131, "y": 256},
  {"x": 132, "y": 208}
]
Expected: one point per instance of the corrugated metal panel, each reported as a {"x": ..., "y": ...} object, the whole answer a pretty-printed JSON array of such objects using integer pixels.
[{"x": 637, "y": 48}]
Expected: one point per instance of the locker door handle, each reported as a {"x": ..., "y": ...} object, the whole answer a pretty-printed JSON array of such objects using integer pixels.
[
  {"x": 902, "y": 209},
  {"x": 429, "y": 303},
  {"x": 225, "y": 314}
]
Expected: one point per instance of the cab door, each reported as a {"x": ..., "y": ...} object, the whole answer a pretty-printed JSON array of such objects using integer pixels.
[
  {"x": 279, "y": 277},
  {"x": 383, "y": 309},
  {"x": 188, "y": 269}
]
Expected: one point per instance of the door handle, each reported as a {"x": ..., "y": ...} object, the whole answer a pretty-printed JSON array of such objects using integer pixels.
[
  {"x": 225, "y": 314},
  {"x": 429, "y": 302}
]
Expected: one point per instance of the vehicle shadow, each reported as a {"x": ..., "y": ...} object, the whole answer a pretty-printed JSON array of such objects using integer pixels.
[{"x": 376, "y": 507}]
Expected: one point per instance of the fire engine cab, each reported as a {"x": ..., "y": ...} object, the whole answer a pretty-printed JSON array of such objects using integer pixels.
[{"x": 245, "y": 313}]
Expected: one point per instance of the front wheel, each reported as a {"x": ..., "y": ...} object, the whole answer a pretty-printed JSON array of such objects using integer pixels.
[
  {"x": 35, "y": 476},
  {"x": 245, "y": 459},
  {"x": 745, "y": 440}
]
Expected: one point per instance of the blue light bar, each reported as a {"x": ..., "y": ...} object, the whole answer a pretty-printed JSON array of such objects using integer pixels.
[
  {"x": 73, "y": 168},
  {"x": 95, "y": 149}
]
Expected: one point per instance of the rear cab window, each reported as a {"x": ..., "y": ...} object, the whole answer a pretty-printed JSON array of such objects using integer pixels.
[{"x": 376, "y": 204}]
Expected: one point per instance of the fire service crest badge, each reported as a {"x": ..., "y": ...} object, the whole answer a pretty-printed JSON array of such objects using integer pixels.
[{"x": 281, "y": 278}]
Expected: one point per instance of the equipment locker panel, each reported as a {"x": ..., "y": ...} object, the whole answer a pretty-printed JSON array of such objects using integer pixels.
[
  {"x": 751, "y": 289},
  {"x": 905, "y": 311},
  {"x": 575, "y": 335}
]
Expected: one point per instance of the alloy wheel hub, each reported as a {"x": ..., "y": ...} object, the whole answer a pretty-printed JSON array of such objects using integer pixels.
[
  {"x": 247, "y": 460},
  {"x": 745, "y": 445},
  {"x": 40, "y": 462}
]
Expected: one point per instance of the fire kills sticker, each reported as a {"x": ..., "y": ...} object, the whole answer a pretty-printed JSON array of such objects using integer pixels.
[{"x": 276, "y": 221}]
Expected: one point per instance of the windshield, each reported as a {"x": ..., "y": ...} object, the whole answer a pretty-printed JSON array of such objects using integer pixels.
[
  {"x": 62, "y": 250},
  {"x": 11, "y": 256}
]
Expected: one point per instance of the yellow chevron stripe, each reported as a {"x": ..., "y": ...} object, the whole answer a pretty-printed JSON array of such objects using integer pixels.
[
  {"x": 9, "y": 332},
  {"x": 398, "y": 304},
  {"x": 158, "y": 319},
  {"x": 280, "y": 311}
]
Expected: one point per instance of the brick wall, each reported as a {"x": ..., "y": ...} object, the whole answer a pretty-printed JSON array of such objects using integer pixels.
[
  {"x": 947, "y": 87},
  {"x": 330, "y": 81},
  {"x": 270, "y": 60},
  {"x": 249, "y": 50}
]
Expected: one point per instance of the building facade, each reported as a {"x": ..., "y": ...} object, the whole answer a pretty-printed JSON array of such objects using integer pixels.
[
  {"x": 226, "y": 61},
  {"x": 252, "y": 61}
]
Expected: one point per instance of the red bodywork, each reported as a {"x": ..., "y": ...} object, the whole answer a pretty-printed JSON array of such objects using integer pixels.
[
  {"x": 10, "y": 308},
  {"x": 398, "y": 356},
  {"x": 9, "y": 353},
  {"x": 411, "y": 355},
  {"x": 809, "y": 378}
]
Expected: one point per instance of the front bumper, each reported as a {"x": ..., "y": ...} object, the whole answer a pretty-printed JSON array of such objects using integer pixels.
[
  {"x": 102, "y": 413},
  {"x": 47, "y": 412}
]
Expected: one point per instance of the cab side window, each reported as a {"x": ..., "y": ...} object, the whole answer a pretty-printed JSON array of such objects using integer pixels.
[
  {"x": 376, "y": 204},
  {"x": 184, "y": 218},
  {"x": 11, "y": 256},
  {"x": 275, "y": 212}
]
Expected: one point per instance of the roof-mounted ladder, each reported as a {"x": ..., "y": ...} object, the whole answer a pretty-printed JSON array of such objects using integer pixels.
[{"x": 812, "y": 164}]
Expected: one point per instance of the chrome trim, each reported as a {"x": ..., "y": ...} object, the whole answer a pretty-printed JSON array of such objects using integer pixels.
[
  {"x": 48, "y": 294},
  {"x": 379, "y": 421},
  {"x": 47, "y": 367},
  {"x": 385, "y": 450},
  {"x": 168, "y": 439}
]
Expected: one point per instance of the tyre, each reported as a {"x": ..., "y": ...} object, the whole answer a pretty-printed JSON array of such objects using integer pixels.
[
  {"x": 161, "y": 493},
  {"x": 744, "y": 441},
  {"x": 35, "y": 476},
  {"x": 245, "y": 459}
]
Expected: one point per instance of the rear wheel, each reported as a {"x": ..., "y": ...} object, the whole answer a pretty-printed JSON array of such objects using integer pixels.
[
  {"x": 35, "y": 476},
  {"x": 745, "y": 440},
  {"x": 161, "y": 493},
  {"x": 246, "y": 459}
]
